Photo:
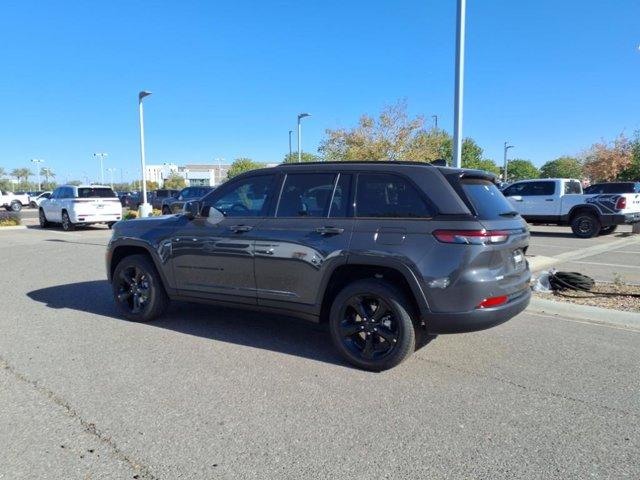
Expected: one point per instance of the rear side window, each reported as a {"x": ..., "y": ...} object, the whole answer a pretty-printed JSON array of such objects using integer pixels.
[
  {"x": 384, "y": 195},
  {"x": 486, "y": 199},
  {"x": 572, "y": 187},
  {"x": 531, "y": 189},
  {"x": 90, "y": 192},
  {"x": 306, "y": 195},
  {"x": 340, "y": 201}
]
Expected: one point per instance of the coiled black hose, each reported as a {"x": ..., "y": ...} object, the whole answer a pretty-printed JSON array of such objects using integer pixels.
[{"x": 562, "y": 281}]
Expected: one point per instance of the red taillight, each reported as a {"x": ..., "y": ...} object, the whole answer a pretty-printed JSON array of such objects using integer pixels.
[
  {"x": 472, "y": 237},
  {"x": 493, "y": 302},
  {"x": 621, "y": 204}
]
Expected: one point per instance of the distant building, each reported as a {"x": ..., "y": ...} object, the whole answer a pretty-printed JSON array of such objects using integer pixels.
[{"x": 194, "y": 174}]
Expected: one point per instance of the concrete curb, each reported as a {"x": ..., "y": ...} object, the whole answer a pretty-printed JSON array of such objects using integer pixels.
[
  {"x": 13, "y": 227},
  {"x": 586, "y": 313}
]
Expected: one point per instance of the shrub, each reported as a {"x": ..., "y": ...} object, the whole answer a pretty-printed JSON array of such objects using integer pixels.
[
  {"x": 9, "y": 220},
  {"x": 130, "y": 215}
]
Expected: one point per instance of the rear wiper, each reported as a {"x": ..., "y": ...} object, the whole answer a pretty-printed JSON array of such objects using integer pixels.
[{"x": 512, "y": 213}]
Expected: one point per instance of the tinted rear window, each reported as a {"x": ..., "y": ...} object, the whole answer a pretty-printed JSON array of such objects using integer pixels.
[
  {"x": 486, "y": 199},
  {"x": 600, "y": 188},
  {"x": 87, "y": 192}
]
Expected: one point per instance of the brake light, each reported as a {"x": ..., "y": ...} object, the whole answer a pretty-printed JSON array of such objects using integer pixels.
[
  {"x": 621, "y": 204},
  {"x": 493, "y": 302},
  {"x": 472, "y": 237}
]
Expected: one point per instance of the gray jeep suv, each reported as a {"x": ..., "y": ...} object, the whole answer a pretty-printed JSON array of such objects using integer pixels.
[{"x": 387, "y": 253}]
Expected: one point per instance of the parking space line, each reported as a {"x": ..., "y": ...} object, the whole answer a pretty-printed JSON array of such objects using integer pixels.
[
  {"x": 617, "y": 265},
  {"x": 584, "y": 322}
]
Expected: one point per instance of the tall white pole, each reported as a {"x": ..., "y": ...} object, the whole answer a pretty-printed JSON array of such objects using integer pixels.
[
  {"x": 38, "y": 161},
  {"x": 145, "y": 208},
  {"x": 459, "y": 87},
  {"x": 299, "y": 140}
]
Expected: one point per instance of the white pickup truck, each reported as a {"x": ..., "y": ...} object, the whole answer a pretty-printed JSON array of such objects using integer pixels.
[
  {"x": 13, "y": 202},
  {"x": 560, "y": 201}
]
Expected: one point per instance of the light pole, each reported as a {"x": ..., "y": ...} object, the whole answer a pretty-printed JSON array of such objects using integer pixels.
[
  {"x": 37, "y": 161},
  {"x": 435, "y": 120},
  {"x": 111, "y": 170},
  {"x": 145, "y": 208},
  {"x": 300, "y": 116},
  {"x": 101, "y": 156},
  {"x": 290, "y": 153},
  {"x": 459, "y": 87},
  {"x": 506, "y": 161}
]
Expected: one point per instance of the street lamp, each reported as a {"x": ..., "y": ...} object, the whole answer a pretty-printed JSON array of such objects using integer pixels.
[
  {"x": 111, "y": 170},
  {"x": 506, "y": 161},
  {"x": 101, "y": 156},
  {"x": 290, "y": 153},
  {"x": 37, "y": 161},
  {"x": 300, "y": 116},
  {"x": 145, "y": 208},
  {"x": 459, "y": 86}
]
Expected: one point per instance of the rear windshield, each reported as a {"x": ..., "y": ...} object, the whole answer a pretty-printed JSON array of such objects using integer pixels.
[
  {"x": 611, "y": 188},
  {"x": 90, "y": 192},
  {"x": 486, "y": 199}
]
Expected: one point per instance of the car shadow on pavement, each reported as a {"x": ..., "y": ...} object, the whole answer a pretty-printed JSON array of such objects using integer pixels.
[{"x": 278, "y": 333}]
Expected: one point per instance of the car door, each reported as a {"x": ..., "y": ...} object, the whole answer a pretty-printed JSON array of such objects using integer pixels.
[
  {"x": 51, "y": 207},
  {"x": 308, "y": 236},
  {"x": 541, "y": 200},
  {"x": 214, "y": 258}
]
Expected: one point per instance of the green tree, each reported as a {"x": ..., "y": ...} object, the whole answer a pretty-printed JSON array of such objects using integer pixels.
[
  {"x": 632, "y": 172},
  {"x": 2, "y": 172},
  {"x": 392, "y": 135},
  {"x": 21, "y": 174},
  {"x": 605, "y": 161},
  {"x": 562, "y": 167},
  {"x": 175, "y": 181},
  {"x": 519, "y": 169},
  {"x": 306, "y": 157},
  {"x": 47, "y": 173},
  {"x": 471, "y": 155},
  {"x": 241, "y": 165}
]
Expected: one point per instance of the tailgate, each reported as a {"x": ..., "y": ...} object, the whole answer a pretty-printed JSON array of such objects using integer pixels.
[{"x": 97, "y": 206}]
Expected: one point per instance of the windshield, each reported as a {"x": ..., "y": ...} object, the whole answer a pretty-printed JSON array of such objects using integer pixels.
[
  {"x": 90, "y": 192},
  {"x": 488, "y": 202}
]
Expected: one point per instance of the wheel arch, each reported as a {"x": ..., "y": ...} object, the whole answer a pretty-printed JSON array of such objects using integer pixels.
[
  {"x": 583, "y": 209},
  {"x": 122, "y": 250},
  {"x": 397, "y": 273}
]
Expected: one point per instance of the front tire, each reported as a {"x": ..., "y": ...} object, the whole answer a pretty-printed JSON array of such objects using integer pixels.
[
  {"x": 585, "y": 225},
  {"x": 138, "y": 290},
  {"x": 371, "y": 325},
  {"x": 67, "y": 225},
  {"x": 16, "y": 206},
  {"x": 42, "y": 219}
]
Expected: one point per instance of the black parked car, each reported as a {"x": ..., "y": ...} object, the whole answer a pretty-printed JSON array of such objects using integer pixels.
[
  {"x": 386, "y": 252},
  {"x": 175, "y": 204},
  {"x": 613, "y": 187}
]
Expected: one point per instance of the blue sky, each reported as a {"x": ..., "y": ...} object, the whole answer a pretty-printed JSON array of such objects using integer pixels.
[{"x": 229, "y": 77}]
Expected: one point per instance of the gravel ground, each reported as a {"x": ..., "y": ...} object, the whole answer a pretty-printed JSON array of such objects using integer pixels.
[{"x": 623, "y": 302}]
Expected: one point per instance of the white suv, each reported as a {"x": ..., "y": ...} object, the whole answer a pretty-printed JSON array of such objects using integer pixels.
[{"x": 72, "y": 205}]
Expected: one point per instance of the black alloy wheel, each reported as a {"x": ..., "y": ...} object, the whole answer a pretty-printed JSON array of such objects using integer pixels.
[
  {"x": 138, "y": 290},
  {"x": 585, "y": 225},
  {"x": 371, "y": 325}
]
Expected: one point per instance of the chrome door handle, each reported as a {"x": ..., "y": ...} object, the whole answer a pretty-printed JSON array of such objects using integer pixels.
[
  {"x": 329, "y": 230},
  {"x": 240, "y": 228},
  {"x": 266, "y": 251}
]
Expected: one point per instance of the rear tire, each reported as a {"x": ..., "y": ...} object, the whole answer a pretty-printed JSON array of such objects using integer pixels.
[
  {"x": 166, "y": 210},
  {"x": 371, "y": 325},
  {"x": 585, "y": 225},
  {"x": 43, "y": 219},
  {"x": 67, "y": 226},
  {"x": 15, "y": 206},
  {"x": 608, "y": 230},
  {"x": 136, "y": 276}
]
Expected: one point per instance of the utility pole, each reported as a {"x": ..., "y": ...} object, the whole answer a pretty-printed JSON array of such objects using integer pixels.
[
  {"x": 459, "y": 85},
  {"x": 300, "y": 116},
  {"x": 290, "y": 152},
  {"x": 506, "y": 161},
  {"x": 101, "y": 156},
  {"x": 37, "y": 161},
  {"x": 111, "y": 170},
  {"x": 435, "y": 121}
]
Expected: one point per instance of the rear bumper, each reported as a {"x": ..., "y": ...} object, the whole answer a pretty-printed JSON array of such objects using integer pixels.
[
  {"x": 95, "y": 218},
  {"x": 620, "y": 219},
  {"x": 478, "y": 319}
]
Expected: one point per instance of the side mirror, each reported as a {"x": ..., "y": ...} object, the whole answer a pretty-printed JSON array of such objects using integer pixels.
[{"x": 192, "y": 209}]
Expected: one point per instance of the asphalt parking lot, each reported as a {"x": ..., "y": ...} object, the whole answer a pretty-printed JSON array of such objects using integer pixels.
[{"x": 213, "y": 393}]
